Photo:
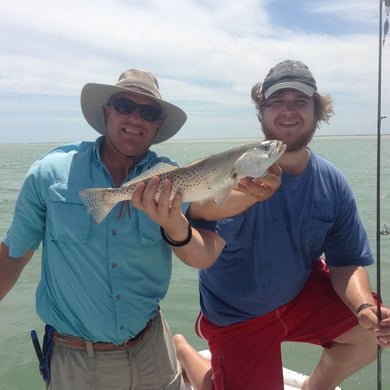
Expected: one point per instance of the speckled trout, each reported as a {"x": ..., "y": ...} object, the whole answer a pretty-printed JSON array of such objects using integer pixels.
[{"x": 212, "y": 176}]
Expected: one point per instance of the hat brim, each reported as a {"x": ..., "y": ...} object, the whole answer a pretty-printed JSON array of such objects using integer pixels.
[
  {"x": 301, "y": 87},
  {"x": 94, "y": 96}
]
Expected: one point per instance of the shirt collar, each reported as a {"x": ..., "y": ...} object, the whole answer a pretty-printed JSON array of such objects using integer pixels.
[
  {"x": 97, "y": 149},
  {"x": 142, "y": 165}
]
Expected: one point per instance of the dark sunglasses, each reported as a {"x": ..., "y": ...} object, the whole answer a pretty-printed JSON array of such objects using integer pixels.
[{"x": 126, "y": 107}]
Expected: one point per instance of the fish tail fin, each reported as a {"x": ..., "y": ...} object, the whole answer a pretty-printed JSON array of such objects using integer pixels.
[{"x": 98, "y": 202}]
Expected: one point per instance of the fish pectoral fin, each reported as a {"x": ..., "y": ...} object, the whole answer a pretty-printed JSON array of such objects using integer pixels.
[{"x": 222, "y": 196}]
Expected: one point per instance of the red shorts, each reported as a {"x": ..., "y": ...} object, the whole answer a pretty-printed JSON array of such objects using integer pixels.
[{"x": 247, "y": 355}]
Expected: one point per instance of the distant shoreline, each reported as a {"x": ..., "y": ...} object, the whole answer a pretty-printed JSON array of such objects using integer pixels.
[{"x": 201, "y": 140}]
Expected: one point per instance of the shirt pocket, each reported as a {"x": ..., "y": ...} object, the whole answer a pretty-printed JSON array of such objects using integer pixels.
[
  {"x": 67, "y": 217},
  {"x": 313, "y": 237},
  {"x": 148, "y": 230}
]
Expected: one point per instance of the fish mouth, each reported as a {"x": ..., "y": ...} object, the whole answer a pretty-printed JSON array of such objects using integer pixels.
[{"x": 280, "y": 148}]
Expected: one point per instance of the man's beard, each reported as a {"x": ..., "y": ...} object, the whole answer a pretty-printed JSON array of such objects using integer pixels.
[{"x": 301, "y": 142}]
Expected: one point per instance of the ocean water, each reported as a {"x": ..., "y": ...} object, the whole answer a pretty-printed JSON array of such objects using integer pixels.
[{"x": 355, "y": 156}]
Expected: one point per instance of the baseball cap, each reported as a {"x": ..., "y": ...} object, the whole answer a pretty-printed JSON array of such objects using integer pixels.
[{"x": 289, "y": 74}]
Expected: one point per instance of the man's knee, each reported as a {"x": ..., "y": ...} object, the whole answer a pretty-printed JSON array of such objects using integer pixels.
[{"x": 364, "y": 341}]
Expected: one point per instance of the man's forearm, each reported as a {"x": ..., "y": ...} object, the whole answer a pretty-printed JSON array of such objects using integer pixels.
[
  {"x": 10, "y": 269},
  {"x": 209, "y": 210},
  {"x": 352, "y": 284}
]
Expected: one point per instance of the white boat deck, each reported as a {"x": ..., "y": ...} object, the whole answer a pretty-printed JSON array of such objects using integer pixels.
[{"x": 292, "y": 380}]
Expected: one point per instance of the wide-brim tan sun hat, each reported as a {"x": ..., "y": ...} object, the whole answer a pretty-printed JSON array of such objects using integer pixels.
[{"x": 94, "y": 96}]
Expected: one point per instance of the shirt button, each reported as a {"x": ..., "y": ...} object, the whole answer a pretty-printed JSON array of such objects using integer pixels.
[
  {"x": 118, "y": 297},
  {"x": 121, "y": 327},
  {"x": 113, "y": 232},
  {"x": 114, "y": 265}
]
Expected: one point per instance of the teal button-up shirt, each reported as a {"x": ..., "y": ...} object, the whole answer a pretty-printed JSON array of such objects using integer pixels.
[{"x": 100, "y": 282}]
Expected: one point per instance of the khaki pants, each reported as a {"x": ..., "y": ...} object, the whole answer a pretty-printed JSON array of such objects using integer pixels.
[{"x": 150, "y": 364}]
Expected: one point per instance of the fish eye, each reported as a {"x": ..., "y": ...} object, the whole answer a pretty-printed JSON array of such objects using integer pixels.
[{"x": 266, "y": 147}]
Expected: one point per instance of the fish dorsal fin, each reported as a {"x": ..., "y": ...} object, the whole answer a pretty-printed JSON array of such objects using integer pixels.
[
  {"x": 158, "y": 169},
  {"x": 197, "y": 161}
]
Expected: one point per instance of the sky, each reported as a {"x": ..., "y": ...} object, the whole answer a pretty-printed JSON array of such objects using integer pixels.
[{"x": 206, "y": 54}]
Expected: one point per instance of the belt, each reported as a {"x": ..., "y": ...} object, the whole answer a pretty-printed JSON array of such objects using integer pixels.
[{"x": 76, "y": 342}]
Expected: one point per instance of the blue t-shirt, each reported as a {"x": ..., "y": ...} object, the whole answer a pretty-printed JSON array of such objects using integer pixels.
[
  {"x": 270, "y": 248},
  {"x": 100, "y": 282}
]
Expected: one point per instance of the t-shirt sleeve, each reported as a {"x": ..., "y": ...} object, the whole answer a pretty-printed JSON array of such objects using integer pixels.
[
  {"x": 227, "y": 228},
  {"x": 347, "y": 242}
]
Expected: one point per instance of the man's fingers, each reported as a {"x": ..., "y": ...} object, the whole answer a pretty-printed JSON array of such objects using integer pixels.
[
  {"x": 137, "y": 195},
  {"x": 275, "y": 169}
]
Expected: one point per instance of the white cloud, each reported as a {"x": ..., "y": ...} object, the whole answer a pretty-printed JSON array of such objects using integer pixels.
[
  {"x": 359, "y": 11},
  {"x": 206, "y": 54}
]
